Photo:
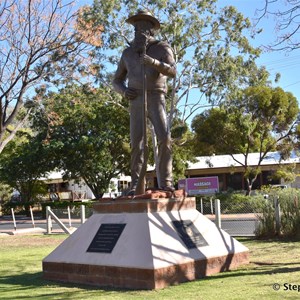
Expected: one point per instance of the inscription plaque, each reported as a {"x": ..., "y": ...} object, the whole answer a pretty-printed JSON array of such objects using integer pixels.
[
  {"x": 189, "y": 234},
  {"x": 106, "y": 238}
]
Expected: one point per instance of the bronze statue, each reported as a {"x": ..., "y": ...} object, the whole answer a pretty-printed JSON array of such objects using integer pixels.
[{"x": 155, "y": 59}]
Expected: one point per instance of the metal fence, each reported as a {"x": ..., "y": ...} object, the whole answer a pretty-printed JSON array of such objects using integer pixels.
[
  {"x": 67, "y": 219},
  {"x": 72, "y": 212},
  {"x": 237, "y": 219}
]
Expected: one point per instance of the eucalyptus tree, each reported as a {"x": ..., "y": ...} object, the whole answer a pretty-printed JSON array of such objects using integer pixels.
[
  {"x": 262, "y": 120},
  {"x": 214, "y": 58}
]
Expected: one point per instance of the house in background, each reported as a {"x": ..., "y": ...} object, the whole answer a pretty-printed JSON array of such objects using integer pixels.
[
  {"x": 60, "y": 189},
  {"x": 230, "y": 172}
]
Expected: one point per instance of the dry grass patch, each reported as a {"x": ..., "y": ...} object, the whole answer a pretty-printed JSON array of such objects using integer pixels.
[{"x": 16, "y": 241}]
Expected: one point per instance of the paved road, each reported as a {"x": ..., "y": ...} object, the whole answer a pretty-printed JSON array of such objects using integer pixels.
[
  {"x": 7, "y": 224},
  {"x": 240, "y": 227},
  {"x": 238, "y": 224},
  {"x": 235, "y": 225}
]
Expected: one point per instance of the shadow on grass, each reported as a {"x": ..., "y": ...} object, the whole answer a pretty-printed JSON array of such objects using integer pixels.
[
  {"x": 265, "y": 240},
  {"x": 266, "y": 263},
  {"x": 261, "y": 269},
  {"x": 33, "y": 286}
]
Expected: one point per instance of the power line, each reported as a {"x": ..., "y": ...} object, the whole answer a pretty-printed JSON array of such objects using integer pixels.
[{"x": 291, "y": 84}]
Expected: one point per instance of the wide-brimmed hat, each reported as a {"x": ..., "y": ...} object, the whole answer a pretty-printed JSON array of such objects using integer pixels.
[{"x": 144, "y": 15}]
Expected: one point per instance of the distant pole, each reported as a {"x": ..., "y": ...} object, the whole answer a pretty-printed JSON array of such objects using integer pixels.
[
  {"x": 69, "y": 216},
  {"x": 82, "y": 207},
  {"x": 218, "y": 213},
  {"x": 201, "y": 205},
  {"x": 49, "y": 222},
  {"x": 14, "y": 220},
  {"x": 32, "y": 219},
  {"x": 277, "y": 215}
]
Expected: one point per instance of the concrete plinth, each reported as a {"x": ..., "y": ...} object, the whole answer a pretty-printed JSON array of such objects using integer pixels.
[{"x": 159, "y": 243}]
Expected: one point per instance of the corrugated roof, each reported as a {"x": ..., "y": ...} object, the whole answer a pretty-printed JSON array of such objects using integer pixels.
[{"x": 225, "y": 161}]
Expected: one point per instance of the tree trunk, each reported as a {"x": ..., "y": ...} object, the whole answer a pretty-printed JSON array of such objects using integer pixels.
[
  {"x": 249, "y": 187},
  {"x": 249, "y": 183}
]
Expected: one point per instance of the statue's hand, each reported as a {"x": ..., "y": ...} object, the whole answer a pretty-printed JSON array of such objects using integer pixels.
[
  {"x": 147, "y": 60},
  {"x": 130, "y": 93}
]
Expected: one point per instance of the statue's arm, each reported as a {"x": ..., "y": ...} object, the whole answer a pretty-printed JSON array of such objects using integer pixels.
[
  {"x": 166, "y": 65},
  {"x": 119, "y": 82},
  {"x": 120, "y": 78}
]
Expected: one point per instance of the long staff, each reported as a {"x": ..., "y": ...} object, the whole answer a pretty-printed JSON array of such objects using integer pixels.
[{"x": 140, "y": 189}]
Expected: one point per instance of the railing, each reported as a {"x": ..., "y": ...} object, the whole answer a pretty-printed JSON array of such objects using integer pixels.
[
  {"x": 50, "y": 214},
  {"x": 238, "y": 219}
]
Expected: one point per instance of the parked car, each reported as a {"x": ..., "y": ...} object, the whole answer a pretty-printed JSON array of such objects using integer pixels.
[{"x": 276, "y": 186}]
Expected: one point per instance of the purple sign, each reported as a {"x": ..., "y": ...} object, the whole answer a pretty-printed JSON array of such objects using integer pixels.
[{"x": 202, "y": 185}]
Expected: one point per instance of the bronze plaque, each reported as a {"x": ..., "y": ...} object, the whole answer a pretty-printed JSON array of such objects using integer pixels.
[
  {"x": 106, "y": 238},
  {"x": 189, "y": 234}
]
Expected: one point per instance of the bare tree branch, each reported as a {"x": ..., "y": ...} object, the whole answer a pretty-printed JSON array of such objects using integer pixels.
[
  {"x": 287, "y": 23},
  {"x": 40, "y": 42}
]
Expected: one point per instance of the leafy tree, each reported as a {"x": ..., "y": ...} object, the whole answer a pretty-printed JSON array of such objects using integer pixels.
[
  {"x": 287, "y": 23},
  {"x": 86, "y": 135},
  {"x": 262, "y": 120},
  {"x": 42, "y": 42},
  {"x": 214, "y": 58},
  {"x": 22, "y": 164},
  {"x": 182, "y": 148},
  {"x": 5, "y": 193}
]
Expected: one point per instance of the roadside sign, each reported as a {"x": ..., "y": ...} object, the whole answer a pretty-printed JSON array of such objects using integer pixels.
[{"x": 200, "y": 185}]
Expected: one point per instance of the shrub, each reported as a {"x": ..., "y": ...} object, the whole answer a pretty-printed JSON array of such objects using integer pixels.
[
  {"x": 289, "y": 217},
  {"x": 290, "y": 212},
  {"x": 5, "y": 192},
  {"x": 5, "y": 195},
  {"x": 231, "y": 202},
  {"x": 265, "y": 212}
]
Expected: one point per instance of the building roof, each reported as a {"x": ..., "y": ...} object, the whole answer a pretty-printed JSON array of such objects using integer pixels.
[
  {"x": 225, "y": 161},
  {"x": 53, "y": 177}
]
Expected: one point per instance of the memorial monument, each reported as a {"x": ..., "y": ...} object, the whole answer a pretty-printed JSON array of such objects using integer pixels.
[
  {"x": 145, "y": 65},
  {"x": 146, "y": 240}
]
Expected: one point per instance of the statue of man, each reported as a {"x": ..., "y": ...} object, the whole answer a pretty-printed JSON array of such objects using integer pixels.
[{"x": 157, "y": 58}]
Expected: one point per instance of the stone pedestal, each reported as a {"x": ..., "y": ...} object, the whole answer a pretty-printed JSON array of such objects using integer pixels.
[{"x": 144, "y": 244}]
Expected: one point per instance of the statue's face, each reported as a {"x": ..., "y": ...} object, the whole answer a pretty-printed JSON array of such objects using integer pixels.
[
  {"x": 142, "y": 33},
  {"x": 143, "y": 27}
]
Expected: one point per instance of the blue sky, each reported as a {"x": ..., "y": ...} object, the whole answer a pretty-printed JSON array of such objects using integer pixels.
[{"x": 287, "y": 64}]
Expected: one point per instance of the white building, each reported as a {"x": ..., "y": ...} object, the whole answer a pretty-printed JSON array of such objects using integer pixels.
[{"x": 59, "y": 188}]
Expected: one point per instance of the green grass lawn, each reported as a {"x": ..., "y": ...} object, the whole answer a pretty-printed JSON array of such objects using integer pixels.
[{"x": 270, "y": 262}]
